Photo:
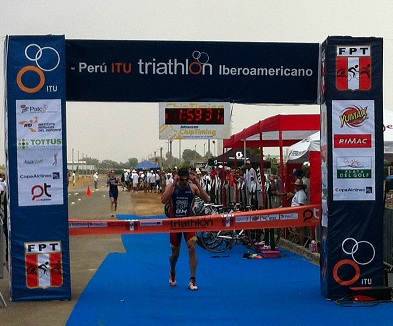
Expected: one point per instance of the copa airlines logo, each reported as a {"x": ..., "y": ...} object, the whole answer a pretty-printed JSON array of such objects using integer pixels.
[
  {"x": 353, "y": 116},
  {"x": 45, "y": 59}
]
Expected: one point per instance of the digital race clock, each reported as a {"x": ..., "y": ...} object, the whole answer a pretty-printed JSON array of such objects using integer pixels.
[
  {"x": 194, "y": 116},
  {"x": 194, "y": 120}
]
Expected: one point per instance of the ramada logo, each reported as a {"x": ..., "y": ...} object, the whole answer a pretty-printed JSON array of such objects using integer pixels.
[{"x": 353, "y": 116}]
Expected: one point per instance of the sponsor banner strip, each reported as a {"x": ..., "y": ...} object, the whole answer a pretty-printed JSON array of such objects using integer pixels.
[{"x": 268, "y": 218}]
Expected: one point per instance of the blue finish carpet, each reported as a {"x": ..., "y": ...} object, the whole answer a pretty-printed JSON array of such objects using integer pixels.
[{"x": 132, "y": 289}]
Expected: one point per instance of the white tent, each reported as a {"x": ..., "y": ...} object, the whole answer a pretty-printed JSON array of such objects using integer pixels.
[{"x": 300, "y": 152}]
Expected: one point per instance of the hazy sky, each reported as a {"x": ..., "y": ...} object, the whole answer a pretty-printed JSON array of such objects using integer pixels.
[{"x": 90, "y": 125}]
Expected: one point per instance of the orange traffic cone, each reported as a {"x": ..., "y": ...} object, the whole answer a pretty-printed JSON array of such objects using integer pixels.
[{"x": 88, "y": 193}]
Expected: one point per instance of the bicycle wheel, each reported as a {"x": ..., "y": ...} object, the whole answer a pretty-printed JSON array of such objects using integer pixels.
[
  {"x": 217, "y": 241},
  {"x": 199, "y": 240}
]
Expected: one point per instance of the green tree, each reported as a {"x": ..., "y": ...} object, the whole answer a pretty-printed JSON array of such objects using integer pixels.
[
  {"x": 132, "y": 162},
  {"x": 190, "y": 156}
]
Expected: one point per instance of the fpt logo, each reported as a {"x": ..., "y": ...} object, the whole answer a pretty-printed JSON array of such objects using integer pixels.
[
  {"x": 44, "y": 266},
  {"x": 32, "y": 78},
  {"x": 353, "y": 68},
  {"x": 353, "y": 116}
]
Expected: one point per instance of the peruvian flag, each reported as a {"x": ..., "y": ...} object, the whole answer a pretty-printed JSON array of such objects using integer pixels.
[
  {"x": 44, "y": 270},
  {"x": 353, "y": 73}
]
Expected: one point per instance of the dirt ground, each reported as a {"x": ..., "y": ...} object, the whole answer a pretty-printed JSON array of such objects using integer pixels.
[{"x": 86, "y": 252}]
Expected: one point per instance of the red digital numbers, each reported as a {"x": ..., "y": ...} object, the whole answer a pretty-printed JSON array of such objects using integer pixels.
[{"x": 190, "y": 116}]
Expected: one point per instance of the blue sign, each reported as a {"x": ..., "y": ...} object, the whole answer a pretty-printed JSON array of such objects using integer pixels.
[
  {"x": 163, "y": 71},
  {"x": 36, "y": 153}
]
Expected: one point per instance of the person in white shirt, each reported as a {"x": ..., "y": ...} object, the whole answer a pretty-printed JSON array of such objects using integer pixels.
[
  {"x": 96, "y": 178},
  {"x": 306, "y": 182},
  {"x": 300, "y": 199},
  {"x": 250, "y": 179},
  {"x": 135, "y": 181}
]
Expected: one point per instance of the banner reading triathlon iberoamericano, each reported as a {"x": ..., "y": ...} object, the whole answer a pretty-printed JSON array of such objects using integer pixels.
[{"x": 184, "y": 71}]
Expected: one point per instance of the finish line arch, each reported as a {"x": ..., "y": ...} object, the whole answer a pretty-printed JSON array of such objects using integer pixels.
[{"x": 43, "y": 72}]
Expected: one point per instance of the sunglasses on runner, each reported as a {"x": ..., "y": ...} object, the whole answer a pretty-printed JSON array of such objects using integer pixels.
[{"x": 183, "y": 179}]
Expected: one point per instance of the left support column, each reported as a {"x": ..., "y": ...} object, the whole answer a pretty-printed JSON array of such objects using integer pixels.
[{"x": 35, "y": 128}]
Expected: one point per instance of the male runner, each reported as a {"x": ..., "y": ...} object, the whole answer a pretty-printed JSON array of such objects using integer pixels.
[
  {"x": 113, "y": 182},
  {"x": 180, "y": 196}
]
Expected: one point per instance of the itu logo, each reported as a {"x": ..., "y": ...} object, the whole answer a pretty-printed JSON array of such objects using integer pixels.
[
  {"x": 31, "y": 78},
  {"x": 362, "y": 254}
]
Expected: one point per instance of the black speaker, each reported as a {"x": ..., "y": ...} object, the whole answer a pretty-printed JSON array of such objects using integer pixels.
[{"x": 372, "y": 293}]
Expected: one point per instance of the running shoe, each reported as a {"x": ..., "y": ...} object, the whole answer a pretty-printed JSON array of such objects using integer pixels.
[
  {"x": 172, "y": 279},
  {"x": 192, "y": 285}
]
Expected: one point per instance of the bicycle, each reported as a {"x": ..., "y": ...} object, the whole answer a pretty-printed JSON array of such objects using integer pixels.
[{"x": 220, "y": 241}]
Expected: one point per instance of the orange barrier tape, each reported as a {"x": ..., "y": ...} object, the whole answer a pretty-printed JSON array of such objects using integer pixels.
[{"x": 268, "y": 218}]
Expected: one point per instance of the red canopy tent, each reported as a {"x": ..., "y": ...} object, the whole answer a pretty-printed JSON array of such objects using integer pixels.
[{"x": 277, "y": 131}]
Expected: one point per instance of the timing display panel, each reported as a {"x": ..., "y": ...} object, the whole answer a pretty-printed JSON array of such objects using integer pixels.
[
  {"x": 192, "y": 116},
  {"x": 194, "y": 120}
]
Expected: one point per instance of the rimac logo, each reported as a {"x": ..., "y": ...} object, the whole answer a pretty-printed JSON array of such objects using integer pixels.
[
  {"x": 353, "y": 116},
  {"x": 353, "y": 68},
  {"x": 31, "y": 79}
]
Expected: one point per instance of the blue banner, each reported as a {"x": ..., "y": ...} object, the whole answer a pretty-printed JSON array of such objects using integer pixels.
[
  {"x": 163, "y": 71},
  {"x": 36, "y": 168},
  {"x": 352, "y": 165}
]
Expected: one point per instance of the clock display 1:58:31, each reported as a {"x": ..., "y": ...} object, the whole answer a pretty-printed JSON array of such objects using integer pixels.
[{"x": 194, "y": 116}]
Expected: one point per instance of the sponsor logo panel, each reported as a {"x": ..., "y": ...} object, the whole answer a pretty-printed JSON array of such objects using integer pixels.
[
  {"x": 44, "y": 265},
  {"x": 353, "y": 124}
]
